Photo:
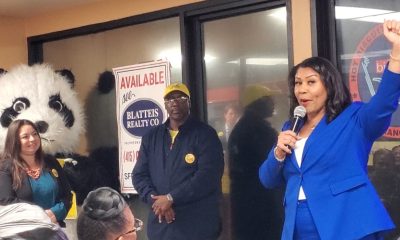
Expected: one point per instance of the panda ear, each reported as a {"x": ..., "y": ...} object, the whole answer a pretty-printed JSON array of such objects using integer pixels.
[
  {"x": 2, "y": 71},
  {"x": 106, "y": 82},
  {"x": 68, "y": 75}
]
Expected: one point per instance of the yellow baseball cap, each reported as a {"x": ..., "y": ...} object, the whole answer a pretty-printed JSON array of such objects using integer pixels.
[
  {"x": 180, "y": 87},
  {"x": 254, "y": 92}
]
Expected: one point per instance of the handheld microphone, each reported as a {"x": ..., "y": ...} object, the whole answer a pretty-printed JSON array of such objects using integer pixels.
[{"x": 298, "y": 115}]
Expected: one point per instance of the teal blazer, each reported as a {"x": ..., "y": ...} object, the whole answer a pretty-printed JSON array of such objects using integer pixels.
[{"x": 333, "y": 173}]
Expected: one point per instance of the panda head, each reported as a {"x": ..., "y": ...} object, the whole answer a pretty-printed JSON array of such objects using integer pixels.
[{"x": 45, "y": 97}]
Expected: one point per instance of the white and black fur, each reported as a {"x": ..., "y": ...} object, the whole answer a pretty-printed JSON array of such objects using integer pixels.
[
  {"x": 101, "y": 167},
  {"x": 45, "y": 97}
]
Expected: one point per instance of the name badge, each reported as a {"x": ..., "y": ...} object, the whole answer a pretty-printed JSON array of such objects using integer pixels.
[{"x": 190, "y": 158}]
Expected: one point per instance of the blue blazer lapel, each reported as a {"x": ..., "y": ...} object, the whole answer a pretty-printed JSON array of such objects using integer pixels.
[{"x": 314, "y": 136}]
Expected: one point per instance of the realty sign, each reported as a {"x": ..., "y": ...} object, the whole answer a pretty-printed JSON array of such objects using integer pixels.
[{"x": 140, "y": 106}]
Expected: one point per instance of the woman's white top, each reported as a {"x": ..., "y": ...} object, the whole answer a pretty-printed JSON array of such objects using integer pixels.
[{"x": 298, "y": 151}]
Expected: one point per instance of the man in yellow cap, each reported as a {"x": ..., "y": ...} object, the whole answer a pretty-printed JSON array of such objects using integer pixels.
[{"x": 179, "y": 173}]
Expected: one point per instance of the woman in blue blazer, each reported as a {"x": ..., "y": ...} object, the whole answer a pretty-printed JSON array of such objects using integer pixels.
[{"x": 328, "y": 193}]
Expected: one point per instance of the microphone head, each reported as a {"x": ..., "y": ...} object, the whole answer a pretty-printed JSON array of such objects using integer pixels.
[{"x": 299, "y": 111}]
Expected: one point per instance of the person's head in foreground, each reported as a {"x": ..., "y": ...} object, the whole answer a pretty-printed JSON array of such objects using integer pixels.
[
  {"x": 106, "y": 215},
  {"x": 24, "y": 221}
]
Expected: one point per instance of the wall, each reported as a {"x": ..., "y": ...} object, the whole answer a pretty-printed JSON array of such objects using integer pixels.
[
  {"x": 95, "y": 13},
  {"x": 15, "y": 31},
  {"x": 13, "y": 46},
  {"x": 301, "y": 20}
]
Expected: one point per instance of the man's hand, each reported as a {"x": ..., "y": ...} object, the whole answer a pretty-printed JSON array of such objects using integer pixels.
[
  {"x": 169, "y": 215},
  {"x": 162, "y": 207}
]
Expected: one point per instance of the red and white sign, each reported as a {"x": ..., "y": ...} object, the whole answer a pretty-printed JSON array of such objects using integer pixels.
[{"x": 140, "y": 106}]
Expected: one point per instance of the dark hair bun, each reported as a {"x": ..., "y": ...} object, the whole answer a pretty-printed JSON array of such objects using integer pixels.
[{"x": 103, "y": 203}]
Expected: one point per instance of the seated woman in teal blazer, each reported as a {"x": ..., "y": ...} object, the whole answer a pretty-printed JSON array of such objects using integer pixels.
[{"x": 328, "y": 192}]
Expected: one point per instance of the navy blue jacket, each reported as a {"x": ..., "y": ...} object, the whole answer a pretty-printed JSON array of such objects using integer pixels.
[{"x": 190, "y": 170}]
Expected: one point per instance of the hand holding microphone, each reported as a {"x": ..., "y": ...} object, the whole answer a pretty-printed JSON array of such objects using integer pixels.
[{"x": 287, "y": 139}]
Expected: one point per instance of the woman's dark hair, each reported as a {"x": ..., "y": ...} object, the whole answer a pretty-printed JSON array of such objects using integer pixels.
[
  {"x": 338, "y": 94},
  {"x": 12, "y": 151},
  {"x": 102, "y": 213}
]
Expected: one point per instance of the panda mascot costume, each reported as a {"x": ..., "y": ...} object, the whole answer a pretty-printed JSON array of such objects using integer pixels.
[
  {"x": 47, "y": 98},
  {"x": 101, "y": 167}
]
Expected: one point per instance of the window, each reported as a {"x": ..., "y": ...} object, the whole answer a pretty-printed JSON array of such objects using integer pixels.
[
  {"x": 89, "y": 55},
  {"x": 243, "y": 65},
  {"x": 362, "y": 54}
]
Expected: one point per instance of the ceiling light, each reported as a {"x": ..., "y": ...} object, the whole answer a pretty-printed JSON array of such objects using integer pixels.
[
  {"x": 173, "y": 56},
  {"x": 380, "y": 18},
  {"x": 279, "y": 13},
  {"x": 266, "y": 61},
  {"x": 342, "y": 12}
]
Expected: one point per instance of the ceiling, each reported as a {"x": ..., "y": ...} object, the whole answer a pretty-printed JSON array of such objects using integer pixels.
[{"x": 29, "y": 8}]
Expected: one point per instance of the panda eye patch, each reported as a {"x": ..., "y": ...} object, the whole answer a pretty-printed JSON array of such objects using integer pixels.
[
  {"x": 59, "y": 106},
  {"x": 19, "y": 106},
  {"x": 56, "y": 103}
]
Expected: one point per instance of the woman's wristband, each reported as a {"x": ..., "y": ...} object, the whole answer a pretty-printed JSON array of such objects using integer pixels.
[{"x": 277, "y": 158}]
